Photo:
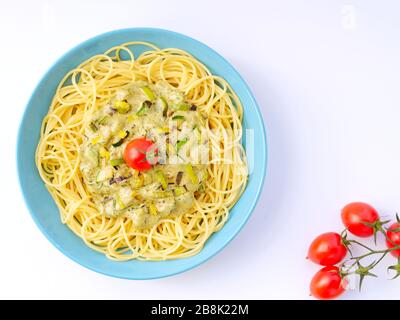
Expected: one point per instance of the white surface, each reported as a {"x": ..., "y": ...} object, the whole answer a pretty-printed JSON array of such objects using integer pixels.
[{"x": 326, "y": 76}]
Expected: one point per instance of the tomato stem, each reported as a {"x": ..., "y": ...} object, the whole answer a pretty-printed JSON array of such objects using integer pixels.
[{"x": 356, "y": 267}]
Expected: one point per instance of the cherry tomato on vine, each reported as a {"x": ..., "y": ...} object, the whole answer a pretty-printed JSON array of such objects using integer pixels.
[
  {"x": 354, "y": 216},
  {"x": 393, "y": 234},
  {"x": 327, "y": 249},
  {"x": 140, "y": 154},
  {"x": 327, "y": 283}
]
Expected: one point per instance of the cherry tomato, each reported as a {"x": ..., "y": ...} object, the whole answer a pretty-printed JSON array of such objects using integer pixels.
[
  {"x": 355, "y": 214},
  {"x": 140, "y": 154},
  {"x": 327, "y": 283},
  {"x": 327, "y": 249},
  {"x": 394, "y": 238}
]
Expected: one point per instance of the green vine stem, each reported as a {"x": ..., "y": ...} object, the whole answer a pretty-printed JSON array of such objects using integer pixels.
[{"x": 356, "y": 267}]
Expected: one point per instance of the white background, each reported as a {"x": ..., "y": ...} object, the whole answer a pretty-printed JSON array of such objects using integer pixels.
[{"x": 326, "y": 76}]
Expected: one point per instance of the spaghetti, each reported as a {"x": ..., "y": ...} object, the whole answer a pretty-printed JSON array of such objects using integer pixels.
[{"x": 93, "y": 84}]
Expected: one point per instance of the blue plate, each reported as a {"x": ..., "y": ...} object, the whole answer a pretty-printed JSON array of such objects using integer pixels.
[{"x": 41, "y": 205}]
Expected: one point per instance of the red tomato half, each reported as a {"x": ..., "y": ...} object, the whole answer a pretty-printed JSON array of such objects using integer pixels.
[
  {"x": 394, "y": 238},
  {"x": 140, "y": 154},
  {"x": 355, "y": 214},
  {"x": 327, "y": 249},
  {"x": 327, "y": 283}
]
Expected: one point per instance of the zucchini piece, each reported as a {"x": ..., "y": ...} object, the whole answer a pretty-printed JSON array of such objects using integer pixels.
[
  {"x": 144, "y": 108},
  {"x": 178, "y": 117},
  {"x": 162, "y": 194},
  {"x": 179, "y": 120},
  {"x": 147, "y": 178},
  {"x": 149, "y": 93},
  {"x": 152, "y": 209},
  {"x": 116, "y": 162},
  {"x": 122, "y": 106},
  {"x": 170, "y": 149},
  {"x": 162, "y": 130},
  {"x": 164, "y": 102},
  {"x": 119, "y": 202},
  {"x": 137, "y": 182},
  {"x": 161, "y": 178},
  {"x": 164, "y": 105},
  {"x": 141, "y": 111},
  {"x": 104, "y": 153},
  {"x": 190, "y": 172},
  {"x": 181, "y": 106},
  {"x": 179, "y": 191},
  {"x": 120, "y": 141},
  {"x": 132, "y": 117},
  {"x": 103, "y": 120},
  {"x": 122, "y": 134},
  {"x": 181, "y": 143},
  {"x": 96, "y": 139}
]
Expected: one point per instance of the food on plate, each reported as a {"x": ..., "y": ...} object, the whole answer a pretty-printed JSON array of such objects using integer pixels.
[
  {"x": 142, "y": 154},
  {"x": 125, "y": 163}
]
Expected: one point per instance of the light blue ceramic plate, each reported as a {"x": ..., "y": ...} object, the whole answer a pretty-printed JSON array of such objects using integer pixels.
[{"x": 42, "y": 206}]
